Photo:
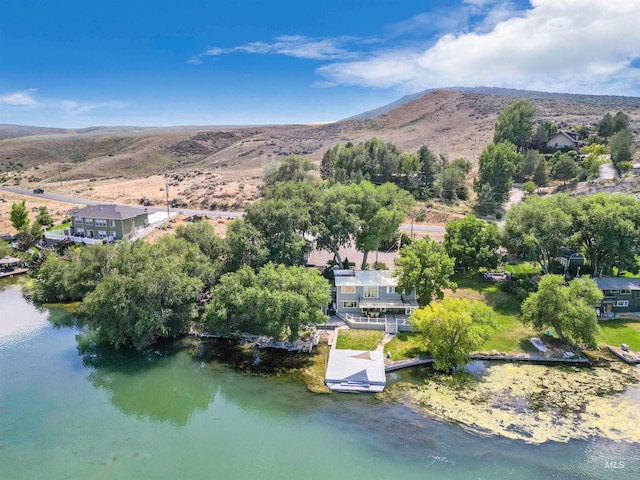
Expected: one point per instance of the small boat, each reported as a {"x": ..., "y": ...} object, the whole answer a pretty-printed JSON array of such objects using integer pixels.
[{"x": 536, "y": 342}]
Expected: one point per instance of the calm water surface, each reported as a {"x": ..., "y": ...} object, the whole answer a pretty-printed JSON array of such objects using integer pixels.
[{"x": 68, "y": 412}]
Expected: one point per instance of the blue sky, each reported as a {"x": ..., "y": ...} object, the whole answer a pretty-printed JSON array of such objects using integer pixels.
[{"x": 77, "y": 63}]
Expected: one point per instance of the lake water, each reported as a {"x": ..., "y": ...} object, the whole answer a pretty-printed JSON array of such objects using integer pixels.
[{"x": 68, "y": 412}]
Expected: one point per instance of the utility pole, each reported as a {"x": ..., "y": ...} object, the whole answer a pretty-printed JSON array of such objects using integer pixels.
[{"x": 166, "y": 190}]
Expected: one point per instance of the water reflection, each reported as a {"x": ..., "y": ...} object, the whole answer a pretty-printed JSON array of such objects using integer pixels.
[
  {"x": 166, "y": 384},
  {"x": 18, "y": 322}
]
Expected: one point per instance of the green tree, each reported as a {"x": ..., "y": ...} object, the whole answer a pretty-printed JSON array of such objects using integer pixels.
[
  {"x": 425, "y": 266},
  {"x": 515, "y": 124},
  {"x": 29, "y": 235},
  {"x": 283, "y": 224},
  {"x": 275, "y": 302},
  {"x": 606, "y": 230},
  {"x": 429, "y": 166},
  {"x": 452, "y": 183},
  {"x": 621, "y": 147},
  {"x": 545, "y": 130},
  {"x": 594, "y": 157},
  {"x": 528, "y": 165},
  {"x": 605, "y": 126},
  {"x": 453, "y": 328},
  {"x": 246, "y": 245},
  {"x": 158, "y": 300},
  {"x": 472, "y": 243},
  {"x": 19, "y": 215},
  {"x": 540, "y": 226},
  {"x": 204, "y": 235},
  {"x": 565, "y": 169},
  {"x": 621, "y": 121},
  {"x": 529, "y": 188},
  {"x": 44, "y": 218},
  {"x": 293, "y": 168},
  {"x": 568, "y": 310},
  {"x": 540, "y": 172},
  {"x": 381, "y": 210},
  {"x": 336, "y": 221},
  {"x": 496, "y": 166}
]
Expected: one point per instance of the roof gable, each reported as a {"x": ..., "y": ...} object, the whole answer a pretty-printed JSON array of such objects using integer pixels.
[
  {"x": 367, "y": 278},
  {"x": 618, "y": 283},
  {"x": 109, "y": 212}
]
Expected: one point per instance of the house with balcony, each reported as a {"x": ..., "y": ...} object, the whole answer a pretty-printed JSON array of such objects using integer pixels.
[
  {"x": 100, "y": 224},
  {"x": 108, "y": 222},
  {"x": 621, "y": 296},
  {"x": 371, "y": 299}
]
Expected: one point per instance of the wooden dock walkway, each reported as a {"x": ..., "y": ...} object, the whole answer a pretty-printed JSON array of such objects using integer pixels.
[
  {"x": 11, "y": 273},
  {"x": 628, "y": 357},
  {"x": 391, "y": 365}
]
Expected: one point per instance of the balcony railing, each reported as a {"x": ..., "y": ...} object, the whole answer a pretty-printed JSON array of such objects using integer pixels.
[{"x": 74, "y": 238}]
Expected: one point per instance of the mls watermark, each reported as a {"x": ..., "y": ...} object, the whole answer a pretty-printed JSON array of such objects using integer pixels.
[{"x": 614, "y": 464}]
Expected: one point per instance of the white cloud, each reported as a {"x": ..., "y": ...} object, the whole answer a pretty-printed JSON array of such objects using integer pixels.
[
  {"x": 26, "y": 99},
  {"x": 297, "y": 46},
  {"x": 22, "y": 98},
  {"x": 568, "y": 45}
]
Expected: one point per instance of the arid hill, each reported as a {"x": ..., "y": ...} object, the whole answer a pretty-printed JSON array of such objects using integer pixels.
[
  {"x": 455, "y": 123},
  {"x": 220, "y": 167}
]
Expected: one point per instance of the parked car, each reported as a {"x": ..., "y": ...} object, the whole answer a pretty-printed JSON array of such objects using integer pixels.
[
  {"x": 624, "y": 347},
  {"x": 38, "y": 190}
]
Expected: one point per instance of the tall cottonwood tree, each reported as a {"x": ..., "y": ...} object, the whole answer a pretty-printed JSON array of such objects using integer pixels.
[{"x": 515, "y": 123}]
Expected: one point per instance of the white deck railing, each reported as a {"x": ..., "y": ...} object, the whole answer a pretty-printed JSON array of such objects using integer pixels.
[{"x": 60, "y": 237}]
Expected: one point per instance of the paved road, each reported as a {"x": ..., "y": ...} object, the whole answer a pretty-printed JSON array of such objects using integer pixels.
[{"x": 84, "y": 201}]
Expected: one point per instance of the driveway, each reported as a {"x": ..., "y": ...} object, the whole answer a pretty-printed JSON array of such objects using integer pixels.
[{"x": 607, "y": 171}]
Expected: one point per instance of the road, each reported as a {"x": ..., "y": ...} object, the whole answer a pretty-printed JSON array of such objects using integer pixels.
[{"x": 84, "y": 201}]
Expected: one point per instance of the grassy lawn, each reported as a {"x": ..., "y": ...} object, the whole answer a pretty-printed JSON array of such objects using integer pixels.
[
  {"x": 523, "y": 268},
  {"x": 404, "y": 345},
  {"x": 359, "y": 339},
  {"x": 614, "y": 332},
  {"x": 511, "y": 335},
  {"x": 62, "y": 226}
]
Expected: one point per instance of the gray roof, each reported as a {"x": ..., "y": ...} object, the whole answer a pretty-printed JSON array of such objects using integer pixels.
[
  {"x": 355, "y": 366},
  {"x": 9, "y": 260},
  {"x": 367, "y": 278},
  {"x": 109, "y": 212},
  {"x": 618, "y": 283}
]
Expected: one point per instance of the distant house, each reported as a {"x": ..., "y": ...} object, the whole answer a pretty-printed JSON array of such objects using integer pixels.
[
  {"x": 372, "y": 300},
  {"x": 621, "y": 295},
  {"x": 108, "y": 222},
  {"x": 564, "y": 139},
  {"x": 571, "y": 260}
]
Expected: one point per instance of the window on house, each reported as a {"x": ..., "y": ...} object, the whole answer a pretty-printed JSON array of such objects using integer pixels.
[
  {"x": 88, "y": 221},
  {"x": 408, "y": 311},
  {"x": 347, "y": 289},
  {"x": 613, "y": 291},
  {"x": 101, "y": 223},
  {"x": 112, "y": 234},
  {"x": 391, "y": 289},
  {"x": 622, "y": 303},
  {"x": 77, "y": 220},
  {"x": 370, "y": 292},
  {"x": 112, "y": 223},
  {"x": 625, "y": 292},
  {"x": 102, "y": 234},
  {"x": 350, "y": 304}
]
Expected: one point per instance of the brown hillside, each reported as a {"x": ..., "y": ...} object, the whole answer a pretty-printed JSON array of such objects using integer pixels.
[{"x": 221, "y": 167}]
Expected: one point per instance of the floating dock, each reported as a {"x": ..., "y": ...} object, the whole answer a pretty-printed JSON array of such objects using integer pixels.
[{"x": 628, "y": 357}]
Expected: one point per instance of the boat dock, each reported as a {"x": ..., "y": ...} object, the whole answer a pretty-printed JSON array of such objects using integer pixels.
[
  {"x": 628, "y": 357},
  {"x": 11, "y": 273}
]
